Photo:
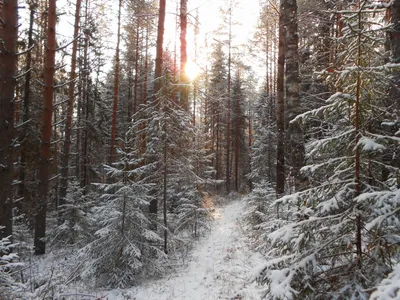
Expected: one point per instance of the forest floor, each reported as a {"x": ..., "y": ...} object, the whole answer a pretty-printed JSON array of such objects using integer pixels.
[{"x": 220, "y": 266}]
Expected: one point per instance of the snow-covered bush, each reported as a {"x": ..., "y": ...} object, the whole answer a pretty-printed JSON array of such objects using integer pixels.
[
  {"x": 258, "y": 204},
  {"x": 338, "y": 238},
  {"x": 388, "y": 288},
  {"x": 76, "y": 227},
  {"x": 9, "y": 285},
  {"x": 124, "y": 246}
]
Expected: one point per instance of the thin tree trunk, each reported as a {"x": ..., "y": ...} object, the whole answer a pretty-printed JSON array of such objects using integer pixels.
[
  {"x": 153, "y": 208},
  {"x": 218, "y": 145},
  {"x": 280, "y": 154},
  {"x": 85, "y": 105},
  {"x": 159, "y": 52},
  {"x": 237, "y": 113},
  {"x": 165, "y": 182},
  {"x": 357, "y": 136},
  {"x": 228, "y": 121},
  {"x": 8, "y": 70},
  {"x": 45, "y": 149},
  {"x": 26, "y": 106},
  {"x": 70, "y": 108},
  {"x": 183, "y": 77},
  {"x": 293, "y": 89},
  {"x": 395, "y": 50},
  {"x": 116, "y": 89},
  {"x": 135, "y": 89},
  {"x": 195, "y": 82},
  {"x": 143, "y": 135}
]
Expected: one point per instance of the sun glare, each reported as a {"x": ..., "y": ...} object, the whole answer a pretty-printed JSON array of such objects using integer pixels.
[{"x": 192, "y": 70}]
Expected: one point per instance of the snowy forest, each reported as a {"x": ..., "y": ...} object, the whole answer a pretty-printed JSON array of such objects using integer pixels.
[{"x": 198, "y": 149}]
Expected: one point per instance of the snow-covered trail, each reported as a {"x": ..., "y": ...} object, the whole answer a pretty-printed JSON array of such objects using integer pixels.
[{"x": 220, "y": 266}]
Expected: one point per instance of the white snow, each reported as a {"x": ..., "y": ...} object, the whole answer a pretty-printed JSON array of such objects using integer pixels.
[
  {"x": 221, "y": 266},
  {"x": 389, "y": 287},
  {"x": 368, "y": 144}
]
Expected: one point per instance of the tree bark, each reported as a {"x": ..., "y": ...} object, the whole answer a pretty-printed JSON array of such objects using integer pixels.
[
  {"x": 116, "y": 89},
  {"x": 280, "y": 154},
  {"x": 26, "y": 107},
  {"x": 228, "y": 121},
  {"x": 395, "y": 49},
  {"x": 135, "y": 90},
  {"x": 45, "y": 149},
  {"x": 8, "y": 70},
  {"x": 85, "y": 105},
  {"x": 70, "y": 108},
  {"x": 357, "y": 137},
  {"x": 159, "y": 52},
  {"x": 153, "y": 208},
  {"x": 183, "y": 76},
  {"x": 165, "y": 174},
  {"x": 292, "y": 84}
]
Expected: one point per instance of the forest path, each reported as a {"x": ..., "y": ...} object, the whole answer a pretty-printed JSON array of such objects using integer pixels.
[{"x": 220, "y": 266}]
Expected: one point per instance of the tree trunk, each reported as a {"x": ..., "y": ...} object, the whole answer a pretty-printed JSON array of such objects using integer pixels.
[
  {"x": 280, "y": 122},
  {"x": 70, "y": 108},
  {"x": 195, "y": 82},
  {"x": 45, "y": 149},
  {"x": 165, "y": 181},
  {"x": 228, "y": 121},
  {"x": 183, "y": 77},
  {"x": 159, "y": 52},
  {"x": 357, "y": 137},
  {"x": 395, "y": 49},
  {"x": 26, "y": 107},
  {"x": 237, "y": 130},
  {"x": 86, "y": 108},
  {"x": 143, "y": 135},
  {"x": 116, "y": 89},
  {"x": 293, "y": 89},
  {"x": 8, "y": 69},
  {"x": 135, "y": 89},
  {"x": 153, "y": 208}
]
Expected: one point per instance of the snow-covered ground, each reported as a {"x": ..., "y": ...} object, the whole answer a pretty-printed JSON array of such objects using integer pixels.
[{"x": 221, "y": 266}]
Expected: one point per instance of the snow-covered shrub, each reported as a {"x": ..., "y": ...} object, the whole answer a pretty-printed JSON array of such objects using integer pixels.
[
  {"x": 124, "y": 246},
  {"x": 188, "y": 212},
  {"x": 338, "y": 238},
  {"x": 76, "y": 227},
  {"x": 388, "y": 288},
  {"x": 9, "y": 285},
  {"x": 258, "y": 204},
  {"x": 264, "y": 146}
]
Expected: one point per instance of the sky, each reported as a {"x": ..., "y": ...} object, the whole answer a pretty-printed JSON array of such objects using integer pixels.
[{"x": 245, "y": 14}]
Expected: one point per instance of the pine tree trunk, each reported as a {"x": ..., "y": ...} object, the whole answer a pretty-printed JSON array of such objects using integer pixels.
[
  {"x": 70, "y": 108},
  {"x": 395, "y": 49},
  {"x": 237, "y": 130},
  {"x": 280, "y": 154},
  {"x": 153, "y": 208},
  {"x": 86, "y": 107},
  {"x": 26, "y": 108},
  {"x": 228, "y": 121},
  {"x": 293, "y": 90},
  {"x": 165, "y": 180},
  {"x": 8, "y": 70},
  {"x": 195, "y": 82},
  {"x": 135, "y": 89},
  {"x": 357, "y": 137},
  {"x": 143, "y": 135},
  {"x": 183, "y": 77},
  {"x": 116, "y": 89},
  {"x": 159, "y": 52},
  {"x": 45, "y": 149}
]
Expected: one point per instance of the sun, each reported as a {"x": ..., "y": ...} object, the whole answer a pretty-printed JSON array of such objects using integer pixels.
[{"x": 192, "y": 70}]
